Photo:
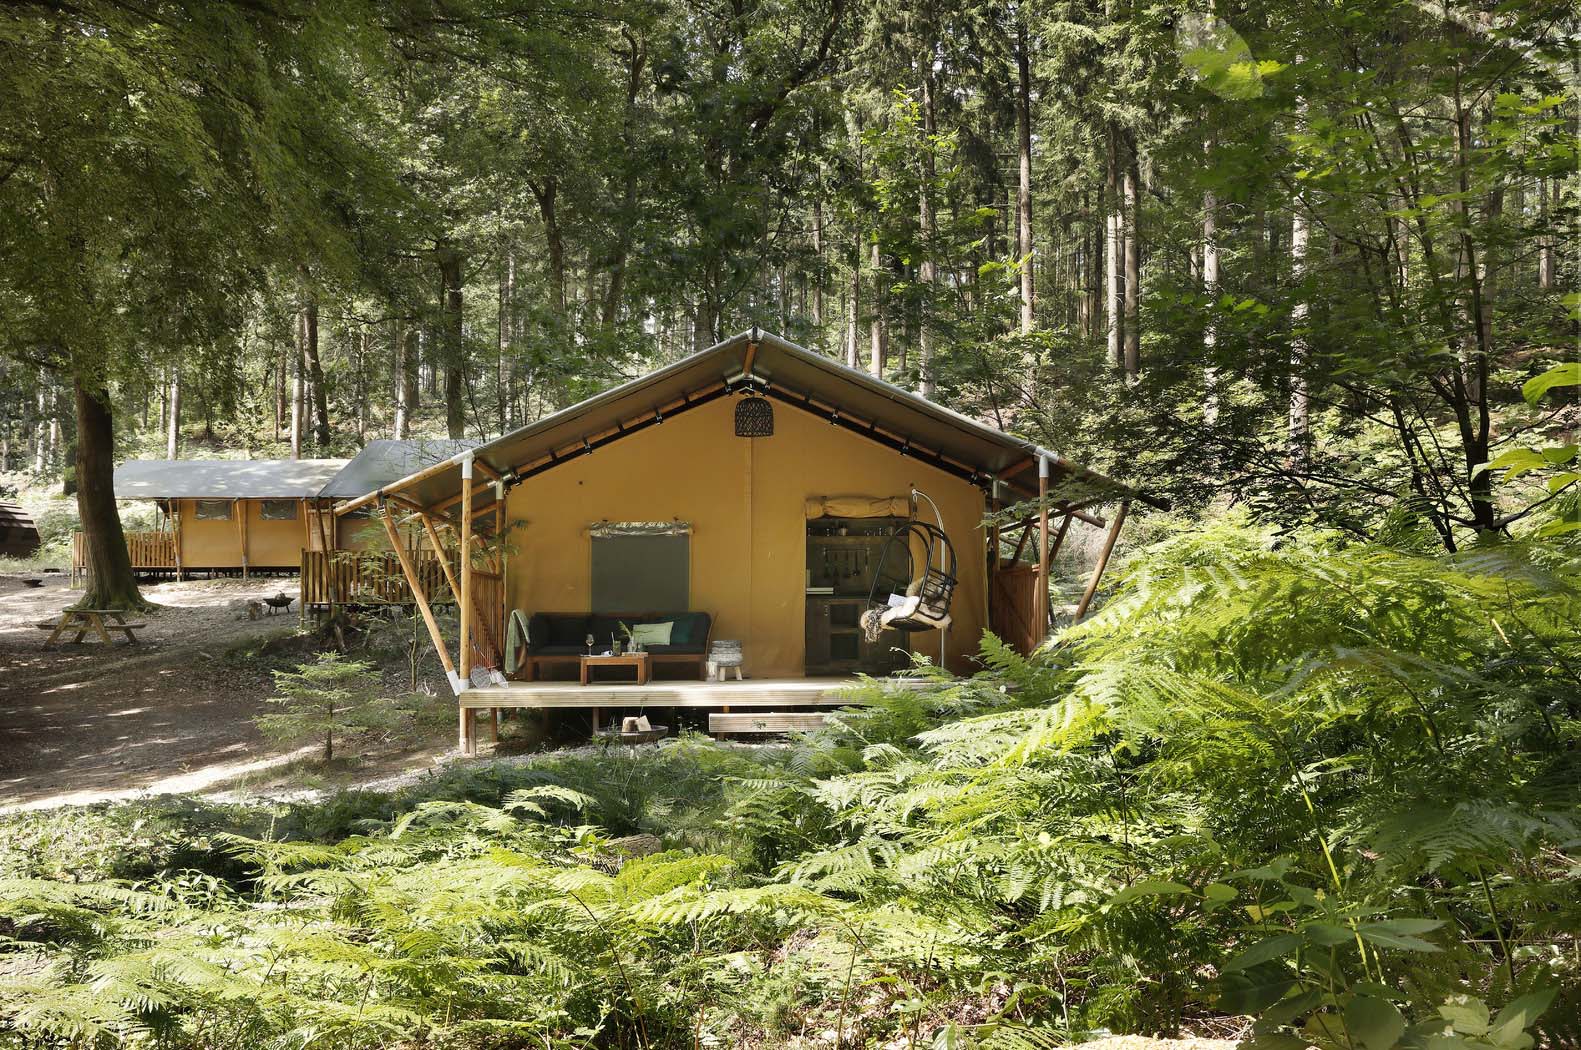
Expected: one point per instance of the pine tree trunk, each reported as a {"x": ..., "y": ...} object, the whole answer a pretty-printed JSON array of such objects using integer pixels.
[
  {"x": 880, "y": 336},
  {"x": 502, "y": 362},
  {"x": 277, "y": 377},
  {"x": 110, "y": 583},
  {"x": 307, "y": 342},
  {"x": 852, "y": 346},
  {"x": 173, "y": 423},
  {"x": 41, "y": 432},
  {"x": 298, "y": 403},
  {"x": 1297, "y": 424},
  {"x": 817, "y": 267},
  {"x": 927, "y": 271},
  {"x": 406, "y": 380},
  {"x": 1024, "y": 185},
  {"x": 454, "y": 352},
  {"x": 1546, "y": 271},
  {"x": 1210, "y": 295},
  {"x": 1114, "y": 250},
  {"x": 1133, "y": 264}
]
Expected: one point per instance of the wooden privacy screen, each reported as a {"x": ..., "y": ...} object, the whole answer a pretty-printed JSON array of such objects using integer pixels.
[
  {"x": 1012, "y": 607},
  {"x": 367, "y": 578}
]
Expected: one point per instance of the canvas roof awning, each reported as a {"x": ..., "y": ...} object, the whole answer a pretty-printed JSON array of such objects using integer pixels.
[
  {"x": 792, "y": 375},
  {"x": 387, "y": 461},
  {"x": 223, "y": 478}
]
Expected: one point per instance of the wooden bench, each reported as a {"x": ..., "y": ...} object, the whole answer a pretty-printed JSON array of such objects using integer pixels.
[
  {"x": 766, "y": 722},
  {"x": 84, "y": 620}
]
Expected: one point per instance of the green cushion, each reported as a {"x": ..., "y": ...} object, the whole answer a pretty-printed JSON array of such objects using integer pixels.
[{"x": 652, "y": 633}]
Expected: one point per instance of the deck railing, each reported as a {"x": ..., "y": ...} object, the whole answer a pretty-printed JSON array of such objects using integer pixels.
[{"x": 148, "y": 551}]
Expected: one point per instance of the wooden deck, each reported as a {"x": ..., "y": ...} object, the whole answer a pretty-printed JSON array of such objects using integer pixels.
[{"x": 759, "y": 693}]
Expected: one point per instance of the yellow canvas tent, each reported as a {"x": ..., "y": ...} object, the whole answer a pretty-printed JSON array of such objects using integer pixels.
[
  {"x": 252, "y": 514},
  {"x": 764, "y": 534}
]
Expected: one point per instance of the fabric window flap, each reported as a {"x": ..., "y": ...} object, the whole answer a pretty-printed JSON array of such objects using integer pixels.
[{"x": 858, "y": 506}]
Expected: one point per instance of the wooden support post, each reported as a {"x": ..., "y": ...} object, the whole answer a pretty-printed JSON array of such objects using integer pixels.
[
  {"x": 1040, "y": 615},
  {"x": 323, "y": 535},
  {"x": 175, "y": 528},
  {"x": 466, "y": 733},
  {"x": 1026, "y": 532},
  {"x": 1103, "y": 560},
  {"x": 240, "y": 507},
  {"x": 439, "y": 552},
  {"x": 465, "y": 596},
  {"x": 418, "y": 595}
]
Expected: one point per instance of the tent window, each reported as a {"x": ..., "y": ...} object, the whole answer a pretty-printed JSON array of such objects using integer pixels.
[
  {"x": 638, "y": 572},
  {"x": 277, "y": 510},
  {"x": 213, "y": 510}
]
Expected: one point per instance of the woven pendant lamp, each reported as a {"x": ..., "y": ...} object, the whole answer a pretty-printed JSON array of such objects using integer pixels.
[{"x": 754, "y": 417}]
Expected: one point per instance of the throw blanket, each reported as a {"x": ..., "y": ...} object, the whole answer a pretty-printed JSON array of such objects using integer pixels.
[{"x": 515, "y": 640}]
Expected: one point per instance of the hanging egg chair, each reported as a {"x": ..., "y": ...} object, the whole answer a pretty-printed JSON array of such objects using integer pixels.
[{"x": 925, "y": 604}]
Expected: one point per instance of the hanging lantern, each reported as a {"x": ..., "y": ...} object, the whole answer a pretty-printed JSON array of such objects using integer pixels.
[{"x": 754, "y": 417}]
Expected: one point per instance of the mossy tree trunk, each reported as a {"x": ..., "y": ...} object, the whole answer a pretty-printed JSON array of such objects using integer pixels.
[{"x": 111, "y": 584}]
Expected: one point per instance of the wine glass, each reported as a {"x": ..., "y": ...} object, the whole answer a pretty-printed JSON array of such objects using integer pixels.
[{"x": 589, "y": 641}]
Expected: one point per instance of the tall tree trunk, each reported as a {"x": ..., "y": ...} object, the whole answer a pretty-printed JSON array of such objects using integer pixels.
[
  {"x": 1114, "y": 248},
  {"x": 110, "y": 584},
  {"x": 546, "y": 193},
  {"x": 928, "y": 227},
  {"x": 453, "y": 353},
  {"x": 1024, "y": 186},
  {"x": 1133, "y": 263},
  {"x": 1546, "y": 270},
  {"x": 41, "y": 431},
  {"x": 173, "y": 422},
  {"x": 298, "y": 402},
  {"x": 817, "y": 266},
  {"x": 880, "y": 336},
  {"x": 307, "y": 344},
  {"x": 277, "y": 377},
  {"x": 636, "y": 62},
  {"x": 1476, "y": 340},
  {"x": 407, "y": 387},
  {"x": 852, "y": 346},
  {"x": 1210, "y": 295},
  {"x": 502, "y": 361},
  {"x": 1297, "y": 428}
]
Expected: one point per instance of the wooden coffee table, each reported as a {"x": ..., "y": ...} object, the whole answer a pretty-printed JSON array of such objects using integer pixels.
[{"x": 637, "y": 661}]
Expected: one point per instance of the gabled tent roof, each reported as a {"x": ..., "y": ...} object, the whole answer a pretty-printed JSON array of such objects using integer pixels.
[
  {"x": 792, "y": 375},
  {"x": 223, "y": 478},
  {"x": 387, "y": 461}
]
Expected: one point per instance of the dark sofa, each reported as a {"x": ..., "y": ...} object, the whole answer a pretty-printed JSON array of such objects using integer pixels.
[{"x": 559, "y": 638}]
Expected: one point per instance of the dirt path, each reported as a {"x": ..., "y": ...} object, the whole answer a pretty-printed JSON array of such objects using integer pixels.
[{"x": 88, "y": 722}]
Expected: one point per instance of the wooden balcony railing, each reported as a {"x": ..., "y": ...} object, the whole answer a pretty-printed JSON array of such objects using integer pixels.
[{"x": 148, "y": 550}]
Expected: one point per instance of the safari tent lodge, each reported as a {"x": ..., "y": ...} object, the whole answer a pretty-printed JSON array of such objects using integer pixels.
[
  {"x": 756, "y": 510},
  {"x": 254, "y": 515}
]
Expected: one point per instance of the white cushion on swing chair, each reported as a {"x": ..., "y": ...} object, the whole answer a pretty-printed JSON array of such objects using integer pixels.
[{"x": 910, "y": 608}]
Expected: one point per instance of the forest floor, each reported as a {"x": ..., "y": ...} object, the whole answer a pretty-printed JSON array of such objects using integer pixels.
[{"x": 89, "y": 723}]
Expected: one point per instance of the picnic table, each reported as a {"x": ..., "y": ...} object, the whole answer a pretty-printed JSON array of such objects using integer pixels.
[{"x": 96, "y": 620}]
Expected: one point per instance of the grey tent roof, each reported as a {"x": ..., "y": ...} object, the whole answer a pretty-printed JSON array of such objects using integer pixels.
[
  {"x": 792, "y": 374},
  {"x": 223, "y": 478},
  {"x": 386, "y": 461}
]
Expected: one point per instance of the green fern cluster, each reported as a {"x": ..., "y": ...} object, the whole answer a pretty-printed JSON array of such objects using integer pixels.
[{"x": 1333, "y": 787}]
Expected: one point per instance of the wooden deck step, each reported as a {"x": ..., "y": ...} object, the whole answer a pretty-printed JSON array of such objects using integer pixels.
[{"x": 766, "y": 722}]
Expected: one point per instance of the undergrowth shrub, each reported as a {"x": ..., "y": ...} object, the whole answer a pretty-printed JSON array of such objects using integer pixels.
[{"x": 1331, "y": 786}]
